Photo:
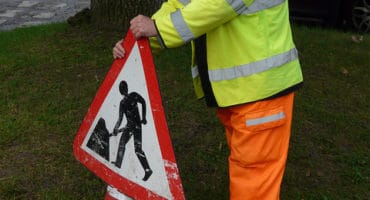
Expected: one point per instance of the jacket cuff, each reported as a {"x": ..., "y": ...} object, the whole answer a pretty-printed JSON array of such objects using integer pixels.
[{"x": 159, "y": 37}]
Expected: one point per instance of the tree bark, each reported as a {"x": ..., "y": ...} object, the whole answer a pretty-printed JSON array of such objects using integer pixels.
[{"x": 116, "y": 14}]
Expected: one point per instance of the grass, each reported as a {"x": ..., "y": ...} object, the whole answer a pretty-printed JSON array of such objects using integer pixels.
[{"x": 50, "y": 74}]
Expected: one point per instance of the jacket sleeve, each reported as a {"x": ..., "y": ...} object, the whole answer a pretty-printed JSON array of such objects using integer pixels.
[
  {"x": 196, "y": 18},
  {"x": 167, "y": 7}
]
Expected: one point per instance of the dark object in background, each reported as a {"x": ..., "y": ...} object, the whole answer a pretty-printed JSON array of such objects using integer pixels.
[
  {"x": 332, "y": 13},
  {"x": 80, "y": 18}
]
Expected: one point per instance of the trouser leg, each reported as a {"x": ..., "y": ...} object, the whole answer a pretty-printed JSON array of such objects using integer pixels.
[
  {"x": 120, "y": 154},
  {"x": 141, "y": 155},
  {"x": 121, "y": 148},
  {"x": 258, "y": 137}
]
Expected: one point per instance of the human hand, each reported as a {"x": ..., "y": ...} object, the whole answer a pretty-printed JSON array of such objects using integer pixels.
[
  {"x": 143, "y": 121},
  {"x": 142, "y": 26},
  {"x": 118, "y": 50}
]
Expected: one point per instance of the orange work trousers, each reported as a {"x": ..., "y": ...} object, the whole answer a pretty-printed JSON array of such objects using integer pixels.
[{"x": 258, "y": 138}]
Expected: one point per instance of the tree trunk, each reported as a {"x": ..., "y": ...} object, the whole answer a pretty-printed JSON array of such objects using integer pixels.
[{"x": 116, "y": 14}]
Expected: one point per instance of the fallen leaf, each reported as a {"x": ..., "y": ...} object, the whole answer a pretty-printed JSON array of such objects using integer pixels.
[
  {"x": 344, "y": 71},
  {"x": 308, "y": 173},
  {"x": 357, "y": 39},
  {"x": 320, "y": 173},
  {"x": 220, "y": 146}
]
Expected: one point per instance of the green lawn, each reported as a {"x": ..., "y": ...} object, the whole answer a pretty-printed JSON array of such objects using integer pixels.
[{"x": 51, "y": 73}]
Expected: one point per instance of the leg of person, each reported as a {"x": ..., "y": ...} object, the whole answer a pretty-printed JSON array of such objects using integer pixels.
[
  {"x": 125, "y": 137},
  {"x": 141, "y": 155},
  {"x": 258, "y": 137}
]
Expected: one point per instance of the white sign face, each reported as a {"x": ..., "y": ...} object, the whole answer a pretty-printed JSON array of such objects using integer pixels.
[
  {"x": 136, "y": 143},
  {"x": 124, "y": 138}
]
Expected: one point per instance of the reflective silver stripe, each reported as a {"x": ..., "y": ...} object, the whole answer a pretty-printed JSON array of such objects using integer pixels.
[
  {"x": 258, "y": 5},
  {"x": 185, "y": 2},
  {"x": 253, "y": 68},
  {"x": 181, "y": 26},
  {"x": 194, "y": 71},
  {"x": 262, "y": 120},
  {"x": 238, "y": 6}
]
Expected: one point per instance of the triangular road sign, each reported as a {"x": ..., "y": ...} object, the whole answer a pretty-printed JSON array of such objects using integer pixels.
[{"x": 124, "y": 137}]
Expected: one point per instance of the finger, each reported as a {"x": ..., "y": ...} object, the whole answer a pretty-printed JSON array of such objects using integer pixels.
[
  {"x": 138, "y": 26},
  {"x": 118, "y": 44},
  {"x": 118, "y": 50},
  {"x": 118, "y": 53},
  {"x": 136, "y": 31},
  {"x": 115, "y": 55},
  {"x": 136, "y": 19}
]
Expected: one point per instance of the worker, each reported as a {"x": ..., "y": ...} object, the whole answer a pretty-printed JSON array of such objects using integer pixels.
[
  {"x": 129, "y": 108},
  {"x": 246, "y": 65}
]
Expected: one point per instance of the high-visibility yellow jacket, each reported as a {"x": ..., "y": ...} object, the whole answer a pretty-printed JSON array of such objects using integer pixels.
[{"x": 250, "y": 50}]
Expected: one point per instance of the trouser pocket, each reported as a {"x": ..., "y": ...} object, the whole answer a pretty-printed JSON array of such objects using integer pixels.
[{"x": 257, "y": 137}]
